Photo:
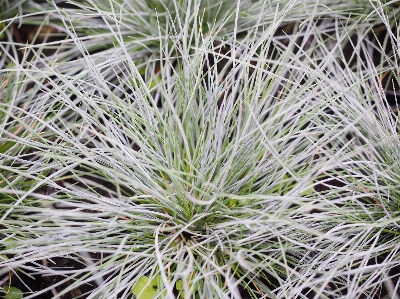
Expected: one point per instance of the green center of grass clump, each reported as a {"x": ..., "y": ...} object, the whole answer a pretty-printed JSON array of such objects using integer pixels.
[{"x": 215, "y": 199}]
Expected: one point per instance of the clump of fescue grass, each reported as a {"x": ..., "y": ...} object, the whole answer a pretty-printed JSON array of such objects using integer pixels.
[
  {"x": 198, "y": 164},
  {"x": 23, "y": 119},
  {"x": 368, "y": 157}
]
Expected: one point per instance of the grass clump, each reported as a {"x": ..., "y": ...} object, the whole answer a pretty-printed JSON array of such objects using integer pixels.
[{"x": 191, "y": 155}]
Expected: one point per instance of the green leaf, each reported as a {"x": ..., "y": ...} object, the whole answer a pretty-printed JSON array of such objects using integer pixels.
[
  {"x": 233, "y": 203},
  {"x": 13, "y": 293},
  {"x": 179, "y": 285},
  {"x": 145, "y": 289}
]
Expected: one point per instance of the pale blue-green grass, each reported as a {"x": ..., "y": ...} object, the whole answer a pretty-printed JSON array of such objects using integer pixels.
[{"x": 170, "y": 171}]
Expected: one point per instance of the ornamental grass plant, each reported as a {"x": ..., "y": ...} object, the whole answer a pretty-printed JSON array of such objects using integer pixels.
[{"x": 188, "y": 149}]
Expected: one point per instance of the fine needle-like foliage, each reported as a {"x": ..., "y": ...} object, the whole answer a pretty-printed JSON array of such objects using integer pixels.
[
  {"x": 22, "y": 172},
  {"x": 368, "y": 161},
  {"x": 190, "y": 152}
]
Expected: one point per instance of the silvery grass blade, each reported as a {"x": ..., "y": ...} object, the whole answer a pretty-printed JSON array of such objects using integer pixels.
[
  {"x": 23, "y": 122},
  {"x": 108, "y": 28},
  {"x": 367, "y": 167},
  {"x": 22, "y": 119},
  {"x": 30, "y": 33}
]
